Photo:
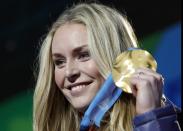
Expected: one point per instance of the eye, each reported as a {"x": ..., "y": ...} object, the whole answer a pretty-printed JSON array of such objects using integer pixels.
[
  {"x": 59, "y": 63},
  {"x": 84, "y": 56}
]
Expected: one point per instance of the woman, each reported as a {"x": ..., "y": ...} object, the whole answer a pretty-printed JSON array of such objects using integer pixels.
[{"x": 76, "y": 58}]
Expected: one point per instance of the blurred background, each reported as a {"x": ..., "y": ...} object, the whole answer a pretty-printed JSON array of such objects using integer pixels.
[{"x": 23, "y": 23}]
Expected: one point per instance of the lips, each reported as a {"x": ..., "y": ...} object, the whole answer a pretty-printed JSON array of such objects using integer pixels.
[
  {"x": 77, "y": 89},
  {"x": 78, "y": 85}
]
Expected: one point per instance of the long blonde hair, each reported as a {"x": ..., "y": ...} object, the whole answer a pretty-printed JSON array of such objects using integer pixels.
[{"x": 109, "y": 34}]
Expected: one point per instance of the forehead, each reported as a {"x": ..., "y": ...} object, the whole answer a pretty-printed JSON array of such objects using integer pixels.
[{"x": 69, "y": 36}]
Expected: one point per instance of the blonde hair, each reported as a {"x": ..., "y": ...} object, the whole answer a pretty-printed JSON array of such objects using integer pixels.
[{"x": 109, "y": 34}]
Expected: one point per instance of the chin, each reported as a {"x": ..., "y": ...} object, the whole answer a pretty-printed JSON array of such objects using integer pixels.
[{"x": 81, "y": 108}]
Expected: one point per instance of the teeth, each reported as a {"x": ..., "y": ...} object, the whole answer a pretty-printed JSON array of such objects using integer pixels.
[{"x": 78, "y": 87}]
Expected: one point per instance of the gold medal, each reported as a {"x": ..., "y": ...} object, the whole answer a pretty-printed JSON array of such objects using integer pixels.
[{"x": 126, "y": 64}]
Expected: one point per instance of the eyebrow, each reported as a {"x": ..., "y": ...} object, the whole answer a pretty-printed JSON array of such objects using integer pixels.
[
  {"x": 77, "y": 49},
  {"x": 57, "y": 55}
]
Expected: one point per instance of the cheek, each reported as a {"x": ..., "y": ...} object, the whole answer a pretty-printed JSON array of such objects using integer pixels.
[
  {"x": 59, "y": 78},
  {"x": 93, "y": 71}
]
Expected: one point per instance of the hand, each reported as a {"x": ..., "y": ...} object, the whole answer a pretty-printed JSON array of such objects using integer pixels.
[{"x": 147, "y": 88}]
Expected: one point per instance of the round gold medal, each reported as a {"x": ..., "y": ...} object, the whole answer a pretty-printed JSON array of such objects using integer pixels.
[{"x": 126, "y": 64}]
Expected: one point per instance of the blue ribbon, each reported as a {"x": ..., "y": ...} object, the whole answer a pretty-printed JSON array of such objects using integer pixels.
[{"x": 103, "y": 101}]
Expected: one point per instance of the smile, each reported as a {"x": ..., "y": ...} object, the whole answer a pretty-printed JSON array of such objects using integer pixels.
[
  {"x": 78, "y": 88},
  {"x": 78, "y": 85}
]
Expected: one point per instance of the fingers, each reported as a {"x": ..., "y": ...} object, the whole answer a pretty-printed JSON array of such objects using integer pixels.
[
  {"x": 148, "y": 80},
  {"x": 156, "y": 77},
  {"x": 147, "y": 88},
  {"x": 147, "y": 71}
]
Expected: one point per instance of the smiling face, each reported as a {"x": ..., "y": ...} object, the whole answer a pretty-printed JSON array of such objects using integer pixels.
[{"x": 76, "y": 73}]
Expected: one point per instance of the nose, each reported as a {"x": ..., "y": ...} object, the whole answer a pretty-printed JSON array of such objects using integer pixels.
[{"x": 72, "y": 72}]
